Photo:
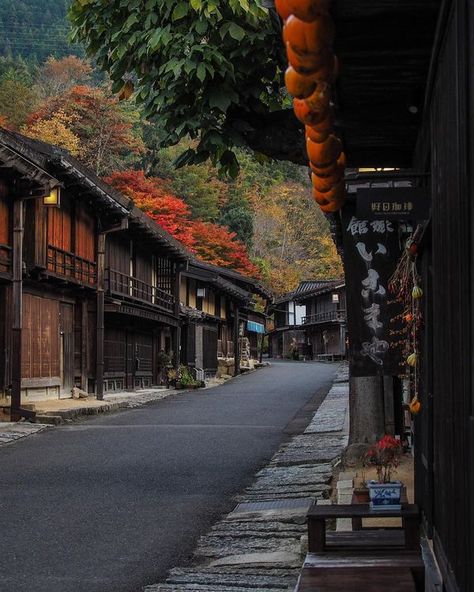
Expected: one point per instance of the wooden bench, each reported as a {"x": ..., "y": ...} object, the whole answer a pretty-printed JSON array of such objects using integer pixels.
[
  {"x": 357, "y": 579},
  {"x": 378, "y": 538}
]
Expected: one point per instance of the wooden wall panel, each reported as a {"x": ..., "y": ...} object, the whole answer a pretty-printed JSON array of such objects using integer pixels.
[
  {"x": 41, "y": 337},
  {"x": 84, "y": 233},
  {"x": 143, "y": 266},
  {"x": 115, "y": 351},
  {"x": 4, "y": 220},
  {"x": 118, "y": 253},
  {"x": 60, "y": 226},
  {"x": 445, "y": 414}
]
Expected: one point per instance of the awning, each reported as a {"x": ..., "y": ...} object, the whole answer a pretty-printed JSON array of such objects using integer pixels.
[{"x": 254, "y": 327}]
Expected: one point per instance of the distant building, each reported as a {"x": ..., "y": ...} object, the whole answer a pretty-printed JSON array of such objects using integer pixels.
[{"x": 310, "y": 322}]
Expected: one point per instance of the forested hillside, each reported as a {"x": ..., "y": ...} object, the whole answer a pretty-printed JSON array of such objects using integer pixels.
[
  {"x": 262, "y": 223},
  {"x": 34, "y": 29}
]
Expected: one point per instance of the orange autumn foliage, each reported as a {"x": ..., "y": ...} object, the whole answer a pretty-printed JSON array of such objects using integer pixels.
[{"x": 208, "y": 241}]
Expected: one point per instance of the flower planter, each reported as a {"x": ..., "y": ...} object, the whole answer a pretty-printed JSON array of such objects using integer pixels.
[
  {"x": 385, "y": 496},
  {"x": 361, "y": 495}
]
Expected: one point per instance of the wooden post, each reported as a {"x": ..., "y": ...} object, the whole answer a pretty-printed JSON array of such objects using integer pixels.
[
  {"x": 17, "y": 309},
  {"x": 177, "y": 331},
  {"x": 316, "y": 535},
  {"x": 84, "y": 345},
  {"x": 99, "y": 378},
  {"x": 236, "y": 341}
]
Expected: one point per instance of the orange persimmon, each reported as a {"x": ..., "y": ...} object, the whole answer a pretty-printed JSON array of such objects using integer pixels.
[
  {"x": 309, "y": 63},
  {"x": 298, "y": 85},
  {"x": 308, "y": 10},
  {"x": 322, "y": 154},
  {"x": 333, "y": 206},
  {"x": 283, "y": 9},
  {"x": 324, "y": 184},
  {"x": 334, "y": 169},
  {"x": 334, "y": 194},
  {"x": 306, "y": 38},
  {"x": 305, "y": 114}
]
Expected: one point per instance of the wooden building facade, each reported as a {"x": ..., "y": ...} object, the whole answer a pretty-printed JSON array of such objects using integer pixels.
[
  {"x": 405, "y": 102},
  {"x": 217, "y": 314},
  {"x": 324, "y": 324},
  {"x": 99, "y": 294},
  {"x": 310, "y": 322}
]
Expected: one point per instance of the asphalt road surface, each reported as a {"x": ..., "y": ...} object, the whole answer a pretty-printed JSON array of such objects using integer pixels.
[{"x": 110, "y": 504}]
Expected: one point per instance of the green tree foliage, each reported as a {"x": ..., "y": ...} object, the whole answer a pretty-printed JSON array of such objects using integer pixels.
[
  {"x": 16, "y": 101},
  {"x": 239, "y": 218},
  {"x": 207, "y": 69},
  {"x": 35, "y": 29}
]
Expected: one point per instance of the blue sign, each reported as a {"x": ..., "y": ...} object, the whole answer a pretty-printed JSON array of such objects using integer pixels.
[{"x": 254, "y": 327}]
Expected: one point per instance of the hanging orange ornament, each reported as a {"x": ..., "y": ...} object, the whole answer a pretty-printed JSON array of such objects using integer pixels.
[
  {"x": 283, "y": 9},
  {"x": 334, "y": 194},
  {"x": 305, "y": 114},
  {"x": 323, "y": 184},
  {"x": 322, "y": 154},
  {"x": 308, "y": 38},
  {"x": 299, "y": 86},
  {"x": 308, "y": 10},
  {"x": 309, "y": 63}
]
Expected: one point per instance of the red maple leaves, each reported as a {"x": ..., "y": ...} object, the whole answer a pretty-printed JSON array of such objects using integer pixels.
[{"x": 208, "y": 241}]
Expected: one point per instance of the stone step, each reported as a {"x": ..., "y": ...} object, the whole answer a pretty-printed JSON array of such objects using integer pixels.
[
  {"x": 287, "y": 490},
  {"x": 208, "y": 588},
  {"x": 240, "y": 528},
  {"x": 209, "y": 546},
  {"x": 251, "y": 579},
  {"x": 50, "y": 419}
]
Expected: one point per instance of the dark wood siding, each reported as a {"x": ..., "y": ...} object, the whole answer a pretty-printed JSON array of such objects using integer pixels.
[
  {"x": 84, "y": 233},
  {"x": 142, "y": 266},
  {"x": 444, "y": 457},
  {"x": 118, "y": 253},
  {"x": 60, "y": 226},
  {"x": 115, "y": 346},
  {"x": 41, "y": 338},
  {"x": 209, "y": 338},
  {"x": 4, "y": 219}
]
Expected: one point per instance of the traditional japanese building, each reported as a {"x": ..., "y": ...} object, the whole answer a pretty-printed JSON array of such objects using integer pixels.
[
  {"x": 97, "y": 279},
  {"x": 324, "y": 323},
  {"x": 219, "y": 316},
  {"x": 405, "y": 112}
]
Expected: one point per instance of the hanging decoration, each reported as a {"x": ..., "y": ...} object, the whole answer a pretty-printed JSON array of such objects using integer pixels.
[
  {"x": 405, "y": 286},
  {"x": 308, "y": 34}
]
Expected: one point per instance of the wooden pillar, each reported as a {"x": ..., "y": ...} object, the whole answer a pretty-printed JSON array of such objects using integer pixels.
[
  {"x": 17, "y": 320},
  {"x": 236, "y": 340},
  {"x": 388, "y": 399},
  {"x": 177, "y": 331},
  {"x": 84, "y": 345},
  {"x": 100, "y": 316}
]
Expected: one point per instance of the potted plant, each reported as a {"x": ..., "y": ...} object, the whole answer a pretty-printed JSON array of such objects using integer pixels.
[
  {"x": 384, "y": 455},
  {"x": 361, "y": 490}
]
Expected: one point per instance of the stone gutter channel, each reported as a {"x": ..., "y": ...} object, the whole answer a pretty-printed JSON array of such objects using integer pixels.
[{"x": 260, "y": 546}]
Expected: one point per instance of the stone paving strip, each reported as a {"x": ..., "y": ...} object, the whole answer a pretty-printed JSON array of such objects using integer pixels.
[
  {"x": 259, "y": 546},
  {"x": 11, "y": 432}
]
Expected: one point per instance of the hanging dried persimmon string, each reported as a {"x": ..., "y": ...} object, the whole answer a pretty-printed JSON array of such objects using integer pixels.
[{"x": 308, "y": 34}]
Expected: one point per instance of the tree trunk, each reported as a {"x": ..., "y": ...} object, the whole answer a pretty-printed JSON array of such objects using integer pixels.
[{"x": 366, "y": 401}]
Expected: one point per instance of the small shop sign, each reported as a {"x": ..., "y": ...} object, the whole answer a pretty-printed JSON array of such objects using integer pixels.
[{"x": 393, "y": 203}]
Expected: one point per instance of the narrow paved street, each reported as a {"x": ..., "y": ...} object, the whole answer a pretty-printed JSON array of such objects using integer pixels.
[{"x": 110, "y": 504}]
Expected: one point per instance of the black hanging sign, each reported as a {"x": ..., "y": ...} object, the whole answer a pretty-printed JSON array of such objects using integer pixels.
[
  {"x": 371, "y": 253},
  {"x": 393, "y": 203}
]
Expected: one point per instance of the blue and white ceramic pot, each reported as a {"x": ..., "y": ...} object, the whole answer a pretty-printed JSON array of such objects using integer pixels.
[{"x": 385, "y": 496}]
